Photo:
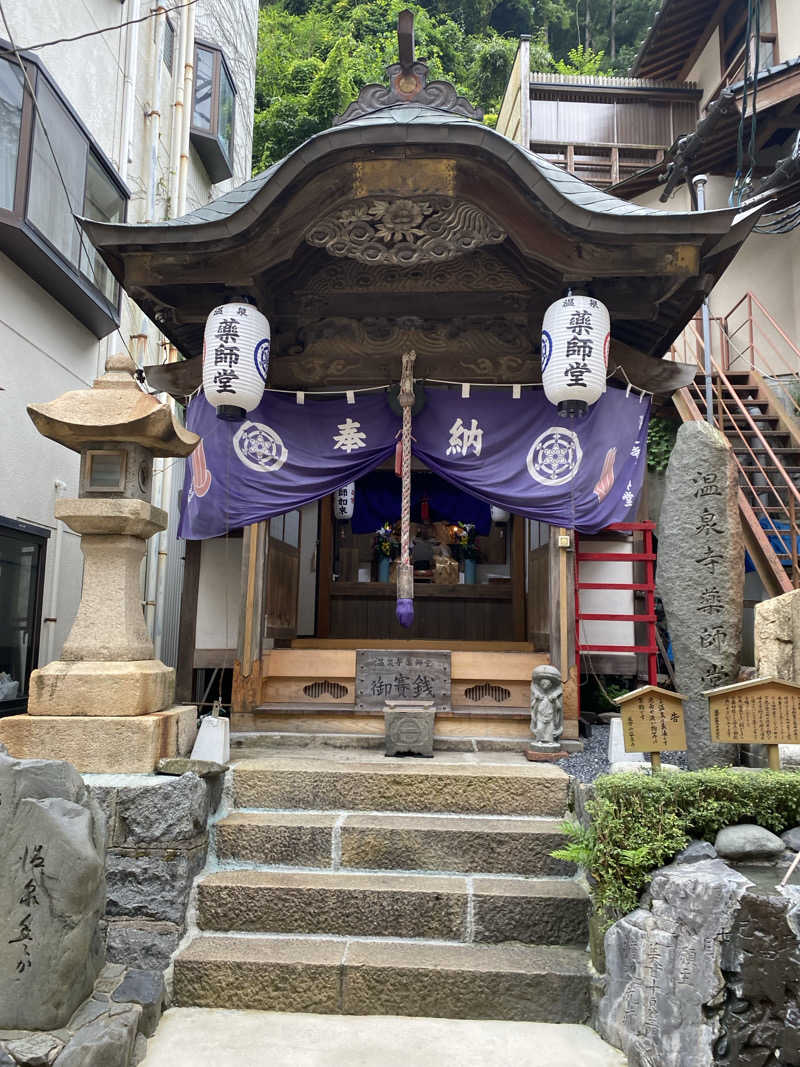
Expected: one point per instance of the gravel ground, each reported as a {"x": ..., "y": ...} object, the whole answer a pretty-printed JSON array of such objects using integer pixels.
[{"x": 587, "y": 765}]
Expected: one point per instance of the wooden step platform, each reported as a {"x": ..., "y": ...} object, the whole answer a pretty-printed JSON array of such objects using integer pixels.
[
  {"x": 451, "y": 646},
  {"x": 312, "y": 688}
]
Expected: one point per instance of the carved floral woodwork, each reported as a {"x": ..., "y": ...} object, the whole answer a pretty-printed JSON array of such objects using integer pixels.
[{"x": 404, "y": 231}]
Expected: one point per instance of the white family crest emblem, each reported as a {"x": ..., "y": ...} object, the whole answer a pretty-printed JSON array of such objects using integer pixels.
[
  {"x": 259, "y": 447},
  {"x": 555, "y": 456}
]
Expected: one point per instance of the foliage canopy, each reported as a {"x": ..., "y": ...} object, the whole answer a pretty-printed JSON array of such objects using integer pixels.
[{"x": 315, "y": 55}]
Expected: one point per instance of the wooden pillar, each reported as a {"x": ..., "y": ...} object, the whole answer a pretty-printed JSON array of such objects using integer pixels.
[
  {"x": 247, "y": 666},
  {"x": 518, "y": 597},
  {"x": 562, "y": 617},
  {"x": 187, "y": 627},
  {"x": 324, "y": 566}
]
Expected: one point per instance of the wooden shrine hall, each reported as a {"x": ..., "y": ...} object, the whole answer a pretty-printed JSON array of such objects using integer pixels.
[{"x": 408, "y": 224}]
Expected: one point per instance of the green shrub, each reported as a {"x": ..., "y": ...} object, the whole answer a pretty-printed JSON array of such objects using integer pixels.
[
  {"x": 639, "y": 822},
  {"x": 661, "y": 434}
]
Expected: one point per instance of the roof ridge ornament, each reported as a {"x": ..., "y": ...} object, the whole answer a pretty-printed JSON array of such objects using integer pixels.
[{"x": 408, "y": 84}]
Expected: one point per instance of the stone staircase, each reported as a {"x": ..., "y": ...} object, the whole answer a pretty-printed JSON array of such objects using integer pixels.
[{"x": 349, "y": 883}]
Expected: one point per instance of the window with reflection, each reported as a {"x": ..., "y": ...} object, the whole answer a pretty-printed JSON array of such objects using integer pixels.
[
  {"x": 10, "y": 124},
  {"x": 51, "y": 173},
  {"x": 51, "y": 206},
  {"x": 102, "y": 201},
  {"x": 22, "y": 556},
  {"x": 213, "y": 112}
]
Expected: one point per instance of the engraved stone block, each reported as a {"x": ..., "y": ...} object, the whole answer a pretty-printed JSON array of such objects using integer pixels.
[{"x": 409, "y": 729}]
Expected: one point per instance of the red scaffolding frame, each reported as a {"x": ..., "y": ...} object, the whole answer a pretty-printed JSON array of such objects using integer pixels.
[{"x": 648, "y": 557}]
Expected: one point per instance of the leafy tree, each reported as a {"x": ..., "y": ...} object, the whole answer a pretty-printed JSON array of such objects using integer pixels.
[
  {"x": 581, "y": 60},
  {"x": 315, "y": 55}
]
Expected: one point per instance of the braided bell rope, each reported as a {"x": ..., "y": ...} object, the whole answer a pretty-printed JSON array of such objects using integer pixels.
[{"x": 406, "y": 399}]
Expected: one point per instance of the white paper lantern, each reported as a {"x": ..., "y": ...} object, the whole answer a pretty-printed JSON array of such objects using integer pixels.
[
  {"x": 576, "y": 334},
  {"x": 498, "y": 514},
  {"x": 344, "y": 500},
  {"x": 235, "y": 359}
]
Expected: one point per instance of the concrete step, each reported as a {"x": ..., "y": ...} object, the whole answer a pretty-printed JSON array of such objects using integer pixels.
[
  {"x": 481, "y": 783},
  {"x": 466, "y": 844},
  {"x": 266, "y": 740},
  {"x": 437, "y": 907},
  {"x": 332, "y": 976}
]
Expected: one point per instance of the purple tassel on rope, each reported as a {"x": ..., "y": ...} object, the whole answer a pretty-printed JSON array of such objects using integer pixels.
[{"x": 405, "y": 612}]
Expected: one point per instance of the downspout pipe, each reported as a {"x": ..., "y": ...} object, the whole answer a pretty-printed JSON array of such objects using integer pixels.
[
  {"x": 176, "y": 136},
  {"x": 699, "y": 182},
  {"x": 59, "y": 488},
  {"x": 153, "y": 114},
  {"x": 188, "y": 100},
  {"x": 129, "y": 90}
]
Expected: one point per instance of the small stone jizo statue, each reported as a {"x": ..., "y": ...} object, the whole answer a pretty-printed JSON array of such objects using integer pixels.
[{"x": 547, "y": 707}]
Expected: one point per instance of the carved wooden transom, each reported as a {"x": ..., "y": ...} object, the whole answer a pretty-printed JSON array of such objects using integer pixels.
[{"x": 405, "y": 231}]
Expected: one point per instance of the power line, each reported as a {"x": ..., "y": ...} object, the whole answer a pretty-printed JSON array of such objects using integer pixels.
[
  {"x": 107, "y": 29},
  {"x": 81, "y": 235}
]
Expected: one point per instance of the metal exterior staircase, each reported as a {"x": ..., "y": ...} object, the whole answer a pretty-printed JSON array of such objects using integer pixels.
[{"x": 748, "y": 347}]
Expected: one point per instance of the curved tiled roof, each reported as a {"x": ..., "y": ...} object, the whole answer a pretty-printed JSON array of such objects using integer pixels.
[{"x": 408, "y": 115}]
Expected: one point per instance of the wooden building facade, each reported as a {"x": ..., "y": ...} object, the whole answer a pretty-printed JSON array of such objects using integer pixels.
[{"x": 336, "y": 245}]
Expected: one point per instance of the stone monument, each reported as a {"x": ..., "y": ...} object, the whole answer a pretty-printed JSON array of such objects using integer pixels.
[
  {"x": 547, "y": 713},
  {"x": 107, "y": 669},
  {"x": 700, "y": 578},
  {"x": 52, "y": 893}
]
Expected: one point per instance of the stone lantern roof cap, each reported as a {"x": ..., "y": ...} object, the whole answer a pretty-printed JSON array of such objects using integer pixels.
[{"x": 114, "y": 409}]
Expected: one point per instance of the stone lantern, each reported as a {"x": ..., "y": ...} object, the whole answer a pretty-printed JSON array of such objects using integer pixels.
[{"x": 107, "y": 667}]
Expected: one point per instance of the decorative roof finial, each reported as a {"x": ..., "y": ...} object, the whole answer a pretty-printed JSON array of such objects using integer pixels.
[
  {"x": 408, "y": 83},
  {"x": 405, "y": 40}
]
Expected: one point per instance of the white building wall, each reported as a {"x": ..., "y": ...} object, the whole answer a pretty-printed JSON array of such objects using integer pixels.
[
  {"x": 788, "y": 28},
  {"x": 707, "y": 70},
  {"x": 44, "y": 350},
  {"x": 218, "y": 593},
  {"x": 767, "y": 265}
]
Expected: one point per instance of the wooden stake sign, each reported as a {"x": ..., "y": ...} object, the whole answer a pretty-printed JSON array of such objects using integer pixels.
[
  {"x": 765, "y": 711},
  {"x": 652, "y": 721}
]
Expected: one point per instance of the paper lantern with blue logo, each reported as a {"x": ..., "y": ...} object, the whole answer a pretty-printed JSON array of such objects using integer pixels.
[
  {"x": 344, "y": 500},
  {"x": 235, "y": 359},
  {"x": 576, "y": 334}
]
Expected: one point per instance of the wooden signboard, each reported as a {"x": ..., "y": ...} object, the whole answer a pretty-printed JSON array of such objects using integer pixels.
[
  {"x": 652, "y": 721},
  {"x": 765, "y": 711},
  {"x": 383, "y": 675}
]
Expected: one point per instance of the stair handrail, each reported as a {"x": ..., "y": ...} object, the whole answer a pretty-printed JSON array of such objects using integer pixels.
[
  {"x": 723, "y": 380},
  {"x": 750, "y": 298},
  {"x": 769, "y": 487}
]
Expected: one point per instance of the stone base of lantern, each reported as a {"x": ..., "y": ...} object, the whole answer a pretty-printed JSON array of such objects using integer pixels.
[
  {"x": 118, "y": 688},
  {"x": 102, "y": 745}
]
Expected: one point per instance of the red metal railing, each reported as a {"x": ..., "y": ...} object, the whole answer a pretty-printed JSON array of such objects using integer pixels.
[{"x": 647, "y": 557}]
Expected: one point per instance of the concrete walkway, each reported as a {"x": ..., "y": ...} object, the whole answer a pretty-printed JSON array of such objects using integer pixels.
[{"x": 196, "y": 1037}]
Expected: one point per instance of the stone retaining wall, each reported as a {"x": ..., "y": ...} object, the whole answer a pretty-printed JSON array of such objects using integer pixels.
[
  {"x": 157, "y": 842},
  {"x": 704, "y": 973}
]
